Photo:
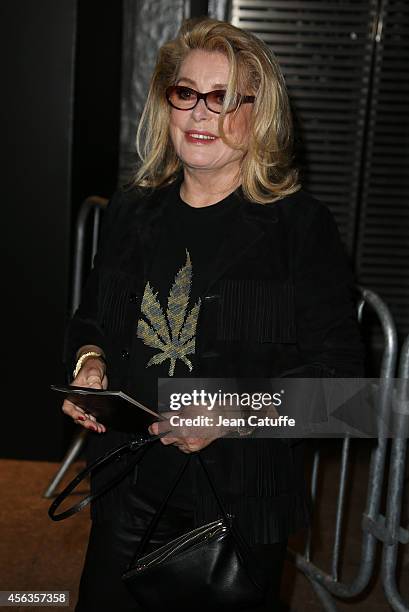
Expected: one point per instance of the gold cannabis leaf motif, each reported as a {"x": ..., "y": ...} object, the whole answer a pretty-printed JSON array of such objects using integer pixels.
[{"x": 174, "y": 333}]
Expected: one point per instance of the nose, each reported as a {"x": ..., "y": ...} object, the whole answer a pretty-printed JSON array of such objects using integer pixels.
[{"x": 200, "y": 111}]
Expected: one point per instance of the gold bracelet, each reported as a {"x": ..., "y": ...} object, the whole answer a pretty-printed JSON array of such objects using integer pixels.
[{"x": 82, "y": 360}]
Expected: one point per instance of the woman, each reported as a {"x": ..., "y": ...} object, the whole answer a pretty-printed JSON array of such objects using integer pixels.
[{"x": 214, "y": 242}]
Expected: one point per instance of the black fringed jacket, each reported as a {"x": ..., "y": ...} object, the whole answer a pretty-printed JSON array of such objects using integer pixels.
[{"x": 280, "y": 303}]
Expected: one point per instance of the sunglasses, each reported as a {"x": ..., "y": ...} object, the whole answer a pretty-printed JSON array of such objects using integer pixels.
[{"x": 185, "y": 98}]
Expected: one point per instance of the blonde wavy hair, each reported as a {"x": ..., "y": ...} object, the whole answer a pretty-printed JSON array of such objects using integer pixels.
[{"x": 266, "y": 169}]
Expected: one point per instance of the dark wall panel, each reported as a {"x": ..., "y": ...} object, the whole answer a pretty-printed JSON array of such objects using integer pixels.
[
  {"x": 382, "y": 256},
  {"x": 146, "y": 26},
  {"x": 346, "y": 64},
  {"x": 37, "y": 41},
  {"x": 98, "y": 57},
  {"x": 325, "y": 51}
]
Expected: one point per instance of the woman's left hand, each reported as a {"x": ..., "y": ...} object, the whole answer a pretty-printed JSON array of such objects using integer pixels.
[{"x": 187, "y": 439}]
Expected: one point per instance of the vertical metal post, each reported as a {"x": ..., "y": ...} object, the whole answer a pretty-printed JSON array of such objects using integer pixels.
[
  {"x": 94, "y": 203},
  {"x": 400, "y": 407}
]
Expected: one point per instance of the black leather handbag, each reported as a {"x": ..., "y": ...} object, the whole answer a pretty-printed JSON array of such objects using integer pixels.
[{"x": 211, "y": 563}]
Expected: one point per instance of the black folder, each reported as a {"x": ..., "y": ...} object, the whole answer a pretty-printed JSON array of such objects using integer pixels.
[{"x": 115, "y": 409}]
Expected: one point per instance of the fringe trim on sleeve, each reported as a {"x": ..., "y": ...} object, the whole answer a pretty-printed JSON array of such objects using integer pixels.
[
  {"x": 116, "y": 290},
  {"x": 258, "y": 310}
]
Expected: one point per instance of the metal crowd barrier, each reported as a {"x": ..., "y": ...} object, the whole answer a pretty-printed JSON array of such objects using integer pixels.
[
  {"x": 91, "y": 205},
  {"x": 375, "y": 527},
  {"x": 394, "y": 533}
]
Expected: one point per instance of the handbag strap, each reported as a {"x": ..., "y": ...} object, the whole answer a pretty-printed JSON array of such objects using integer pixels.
[
  {"x": 156, "y": 517},
  {"x": 139, "y": 442},
  {"x": 225, "y": 514}
]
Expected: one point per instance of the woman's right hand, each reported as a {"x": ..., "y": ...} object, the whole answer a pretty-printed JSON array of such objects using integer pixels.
[{"x": 92, "y": 374}]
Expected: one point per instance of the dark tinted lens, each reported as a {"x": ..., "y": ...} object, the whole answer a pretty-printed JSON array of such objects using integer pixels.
[
  {"x": 216, "y": 98},
  {"x": 182, "y": 97}
]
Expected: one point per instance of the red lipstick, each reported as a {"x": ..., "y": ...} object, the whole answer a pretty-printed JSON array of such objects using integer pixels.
[{"x": 200, "y": 136}]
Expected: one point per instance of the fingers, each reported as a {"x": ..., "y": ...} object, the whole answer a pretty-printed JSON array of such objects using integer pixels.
[
  {"x": 92, "y": 374},
  {"x": 89, "y": 422},
  {"x": 153, "y": 429},
  {"x": 91, "y": 379},
  {"x": 185, "y": 443},
  {"x": 94, "y": 381},
  {"x": 159, "y": 427},
  {"x": 192, "y": 445},
  {"x": 80, "y": 417},
  {"x": 184, "y": 449},
  {"x": 105, "y": 382}
]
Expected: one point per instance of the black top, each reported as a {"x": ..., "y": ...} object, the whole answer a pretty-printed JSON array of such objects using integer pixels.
[
  {"x": 189, "y": 240},
  {"x": 283, "y": 307}
]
